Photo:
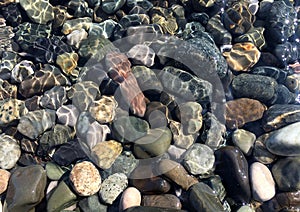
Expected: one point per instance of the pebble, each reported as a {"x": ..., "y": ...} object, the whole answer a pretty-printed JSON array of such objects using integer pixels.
[
  {"x": 163, "y": 200},
  {"x": 152, "y": 209},
  {"x": 54, "y": 171},
  {"x": 157, "y": 114},
  {"x": 11, "y": 110},
  {"x": 23, "y": 181},
  {"x": 260, "y": 151},
  {"x": 110, "y": 6},
  {"x": 141, "y": 55},
  {"x": 68, "y": 115},
  {"x": 244, "y": 140},
  {"x": 262, "y": 182},
  {"x": 96, "y": 133},
  {"x": 113, "y": 186},
  {"x": 243, "y": 110},
  {"x": 76, "y": 36},
  {"x": 85, "y": 178},
  {"x": 284, "y": 141},
  {"x": 215, "y": 183},
  {"x": 199, "y": 159},
  {"x": 22, "y": 70},
  {"x": 104, "y": 110},
  {"x": 68, "y": 63},
  {"x": 180, "y": 139},
  {"x": 4, "y": 178},
  {"x": 105, "y": 153},
  {"x": 10, "y": 151},
  {"x": 131, "y": 197},
  {"x": 286, "y": 173},
  {"x": 124, "y": 163},
  {"x": 286, "y": 201},
  {"x": 7, "y": 90},
  {"x": 54, "y": 98},
  {"x": 91, "y": 204}
]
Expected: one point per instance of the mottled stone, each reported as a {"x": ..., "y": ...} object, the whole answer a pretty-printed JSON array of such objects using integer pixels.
[
  {"x": 9, "y": 58},
  {"x": 80, "y": 8},
  {"x": 4, "y": 178},
  {"x": 163, "y": 200},
  {"x": 54, "y": 98},
  {"x": 22, "y": 70},
  {"x": 68, "y": 115},
  {"x": 76, "y": 36},
  {"x": 76, "y": 24},
  {"x": 176, "y": 173},
  {"x": 96, "y": 133},
  {"x": 91, "y": 204},
  {"x": 262, "y": 182},
  {"x": 60, "y": 15},
  {"x": 111, "y": 6},
  {"x": 54, "y": 171},
  {"x": 244, "y": 140},
  {"x": 287, "y": 174},
  {"x": 260, "y": 151},
  {"x": 124, "y": 163},
  {"x": 181, "y": 139},
  {"x": 216, "y": 28},
  {"x": 131, "y": 197},
  {"x": 176, "y": 153},
  {"x": 203, "y": 198},
  {"x": 215, "y": 183},
  {"x": 7, "y": 90},
  {"x": 235, "y": 178},
  {"x": 5, "y": 38},
  {"x": 285, "y": 200},
  {"x": 104, "y": 110},
  {"x": 9, "y": 151},
  {"x": 106, "y": 28},
  {"x": 284, "y": 141},
  {"x": 23, "y": 181},
  {"x": 141, "y": 55},
  {"x": 243, "y": 110},
  {"x": 255, "y": 35},
  {"x": 33, "y": 103},
  {"x": 85, "y": 178},
  {"x": 199, "y": 159},
  {"x": 105, "y": 153},
  {"x": 257, "y": 87},
  {"x": 11, "y": 109},
  {"x": 36, "y": 122},
  {"x": 68, "y": 62},
  {"x": 112, "y": 187}
]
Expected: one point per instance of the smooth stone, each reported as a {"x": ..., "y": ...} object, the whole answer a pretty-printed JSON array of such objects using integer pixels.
[
  {"x": 113, "y": 186},
  {"x": 157, "y": 114},
  {"x": 111, "y": 6},
  {"x": 244, "y": 140},
  {"x": 176, "y": 173},
  {"x": 22, "y": 70},
  {"x": 4, "y": 178},
  {"x": 215, "y": 183},
  {"x": 262, "y": 182},
  {"x": 286, "y": 173},
  {"x": 260, "y": 151},
  {"x": 23, "y": 181},
  {"x": 7, "y": 90},
  {"x": 68, "y": 115},
  {"x": 11, "y": 110},
  {"x": 91, "y": 204},
  {"x": 284, "y": 141},
  {"x": 85, "y": 178},
  {"x": 61, "y": 198},
  {"x": 105, "y": 153},
  {"x": 54, "y": 171},
  {"x": 243, "y": 110},
  {"x": 281, "y": 201},
  {"x": 129, "y": 128},
  {"x": 68, "y": 63},
  {"x": 152, "y": 209},
  {"x": 163, "y": 200},
  {"x": 252, "y": 86},
  {"x": 199, "y": 159},
  {"x": 235, "y": 178},
  {"x": 54, "y": 98},
  {"x": 245, "y": 208},
  {"x": 203, "y": 198},
  {"x": 141, "y": 55},
  {"x": 131, "y": 197},
  {"x": 155, "y": 143},
  {"x": 10, "y": 151},
  {"x": 104, "y": 109},
  {"x": 176, "y": 153},
  {"x": 124, "y": 163},
  {"x": 95, "y": 134},
  {"x": 76, "y": 36}
]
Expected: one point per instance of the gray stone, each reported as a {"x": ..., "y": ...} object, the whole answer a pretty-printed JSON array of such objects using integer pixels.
[
  {"x": 176, "y": 153},
  {"x": 11, "y": 110},
  {"x": 260, "y": 151},
  {"x": 68, "y": 115},
  {"x": 124, "y": 163},
  {"x": 10, "y": 151},
  {"x": 111, "y": 6},
  {"x": 92, "y": 204},
  {"x": 244, "y": 140},
  {"x": 141, "y": 55},
  {"x": 54, "y": 98},
  {"x": 181, "y": 139}
]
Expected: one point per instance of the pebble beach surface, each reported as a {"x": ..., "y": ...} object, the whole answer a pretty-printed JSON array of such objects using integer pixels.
[{"x": 149, "y": 105}]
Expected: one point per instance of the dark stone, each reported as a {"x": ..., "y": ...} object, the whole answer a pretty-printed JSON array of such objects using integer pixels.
[
  {"x": 163, "y": 200},
  {"x": 287, "y": 200},
  {"x": 152, "y": 209}
]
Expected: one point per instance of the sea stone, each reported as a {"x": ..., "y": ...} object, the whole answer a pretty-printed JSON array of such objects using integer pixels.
[
  {"x": 60, "y": 15},
  {"x": 68, "y": 62},
  {"x": 4, "y": 178},
  {"x": 9, "y": 59},
  {"x": 242, "y": 56},
  {"x": 76, "y": 24},
  {"x": 10, "y": 151},
  {"x": 252, "y": 86},
  {"x": 244, "y": 140},
  {"x": 96, "y": 133},
  {"x": 36, "y": 122},
  {"x": 7, "y": 90},
  {"x": 11, "y": 109},
  {"x": 76, "y": 36},
  {"x": 54, "y": 171},
  {"x": 285, "y": 201},
  {"x": 40, "y": 11},
  {"x": 23, "y": 181},
  {"x": 215, "y": 183},
  {"x": 91, "y": 204},
  {"x": 280, "y": 115},
  {"x": 22, "y": 70},
  {"x": 284, "y": 141},
  {"x": 263, "y": 185},
  {"x": 130, "y": 197},
  {"x": 141, "y": 55},
  {"x": 68, "y": 115},
  {"x": 179, "y": 137},
  {"x": 157, "y": 114},
  {"x": 243, "y": 110},
  {"x": 217, "y": 30},
  {"x": 255, "y": 35},
  {"x": 111, "y": 6},
  {"x": 85, "y": 178},
  {"x": 105, "y": 153},
  {"x": 163, "y": 200},
  {"x": 124, "y": 163},
  {"x": 104, "y": 110},
  {"x": 260, "y": 151},
  {"x": 54, "y": 98},
  {"x": 112, "y": 187},
  {"x": 176, "y": 153},
  {"x": 199, "y": 159}
]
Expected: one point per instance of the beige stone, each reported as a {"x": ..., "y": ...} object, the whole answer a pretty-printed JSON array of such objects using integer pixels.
[
  {"x": 4, "y": 178},
  {"x": 131, "y": 197}
]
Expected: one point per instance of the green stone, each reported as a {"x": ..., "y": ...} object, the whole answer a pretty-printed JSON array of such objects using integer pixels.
[{"x": 54, "y": 171}]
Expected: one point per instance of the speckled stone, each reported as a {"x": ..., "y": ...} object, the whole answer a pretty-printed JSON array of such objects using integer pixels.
[
  {"x": 105, "y": 153},
  {"x": 54, "y": 98},
  {"x": 262, "y": 182},
  {"x": 10, "y": 151},
  {"x": 163, "y": 200},
  {"x": 23, "y": 181},
  {"x": 68, "y": 63},
  {"x": 141, "y": 55},
  {"x": 260, "y": 151},
  {"x": 36, "y": 122},
  {"x": 124, "y": 163},
  {"x": 104, "y": 110},
  {"x": 286, "y": 173},
  {"x": 181, "y": 139},
  {"x": 4, "y": 178},
  {"x": 244, "y": 140},
  {"x": 68, "y": 115},
  {"x": 131, "y": 197},
  {"x": 243, "y": 110},
  {"x": 11, "y": 109},
  {"x": 199, "y": 159},
  {"x": 85, "y": 178},
  {"x": 112, "y": 187},
  {"x": 7, "y": 90}
]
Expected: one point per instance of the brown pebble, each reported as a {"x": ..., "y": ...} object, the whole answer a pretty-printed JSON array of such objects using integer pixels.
[{"x": 163, "y": 200}]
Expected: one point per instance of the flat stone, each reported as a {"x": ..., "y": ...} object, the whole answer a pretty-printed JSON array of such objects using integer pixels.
[
  {"x": 85, "y": 178},
  {"x": 199, "y": 159},
  {"x": 68, "y": 115},
  {"x": 286, "y": 173},
  {"x": 54, "y": 171},
  {"x": 244, "y": 140},
  {"x": 10, "y": 151},
  {"x": 23, "y": 181},
  {"x": 4, "y": 178},
  {"x": 260, "y": 151},
  {"x": 284, "y": 141},
  {"x": 163, "y": 200},
  {"x": 11, "y": 110},
  {"x": 262, "y": 182},
  {"x": 131, "y": 197}
]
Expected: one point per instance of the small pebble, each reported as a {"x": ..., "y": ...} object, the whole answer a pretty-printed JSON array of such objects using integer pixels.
[
  {"x": 4, "y": 178},
  {"x": 131, "y": 197},
  {"x": 244, "y": 140}
]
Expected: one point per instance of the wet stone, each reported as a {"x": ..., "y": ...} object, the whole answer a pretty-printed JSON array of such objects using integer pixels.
[
  {"x": 5, "y": 38},
  {"x": 152, "y": 209},
  {"x": 85, "y": 178},
  {"x": 10, "y": 151},
  {"x": 235, "y": 179},
  {"x": 22, "y": 70},
  {"x": 104, "y": 110},
  {"x": 4, "y": 178},
  {"x": 179, "y": 137},
  {"x": 12, "y": 14},
  {"x": 254, "y": 35},
  {"x": 91, "y": 204},
  {"x": 11, "y": 110},
  {"x": 68, "y": 115},
  {"x": 284, "y": 96},
  {"x": 36, "y": 122},
  {"x": 68, "y": 63},
  {"x": 54, "y": 171},
  {"x": 60, "y": 15},
  {"x": 95, "y": 134},
  {"x": 28, "y": 145},
  {"x": 76, "y": 36},
  {"x": 131, "y": 197},
  {"x": 279, "y": 74},
  {"x": 157, "y": 114},
  {"x": 112, "y": 187},
  {"x": 105, "y": 153},
  {"x": 124, "y": 163},
  {"x": 286, "y": 173},
  {"x": 260, "y": 151},
  {"x": 24, "y": 180},
  {"x": 199, "y": 159},
  {"x": 163, "y": 200},
  {"x": 243, "y": 110},
  {"x": 292, "y": 82},
  {"x": 215, "y": 183},
  {"x": 54, "y": 98},
  {"x": 216, "y": 28},
  {"x": 111, "y": 7},
  {"x": 141, "y": 55},
  {"x": 244, "y": 140},
  {"x": 9, "y": 60},
  {"x": 79, "y": 8},
  {"x": 176, "y": 153},
  {"x": 76, "y": 24}
]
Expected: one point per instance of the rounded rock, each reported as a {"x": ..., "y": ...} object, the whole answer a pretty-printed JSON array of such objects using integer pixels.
[
  {"x": 244, "y": 140},
  {"x": 131, "y": 197},
  {"x": 10, "y": 151},
  {"x": 4, "y": 178}
]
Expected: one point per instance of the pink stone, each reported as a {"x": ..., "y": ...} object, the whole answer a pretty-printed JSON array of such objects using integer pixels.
[
  {"x": 130, "y": 197},
  {"x": 4, "y": 178}
]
